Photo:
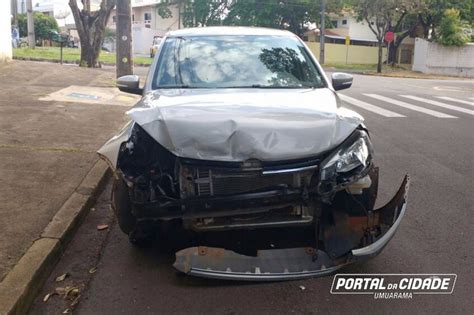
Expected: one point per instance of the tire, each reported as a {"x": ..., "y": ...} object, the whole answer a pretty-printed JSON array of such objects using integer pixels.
[{"x": 122, "y": 206}]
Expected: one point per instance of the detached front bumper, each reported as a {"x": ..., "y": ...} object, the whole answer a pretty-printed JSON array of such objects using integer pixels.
[{"x": 293, "y": 263}]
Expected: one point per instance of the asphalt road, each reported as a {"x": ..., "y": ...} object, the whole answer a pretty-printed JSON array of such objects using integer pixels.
[{"x": 433, "y": 142}]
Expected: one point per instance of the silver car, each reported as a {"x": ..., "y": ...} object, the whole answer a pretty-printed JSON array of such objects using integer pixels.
[{"x": 240, "y": 154}]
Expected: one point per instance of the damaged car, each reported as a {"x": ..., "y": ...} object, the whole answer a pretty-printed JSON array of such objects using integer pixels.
[{"x": 240, "y": 145}]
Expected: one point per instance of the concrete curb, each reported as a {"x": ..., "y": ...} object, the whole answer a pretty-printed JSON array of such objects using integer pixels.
[
  {"x": 21, "y": 285},
  {"x": 71, "y": 62}
]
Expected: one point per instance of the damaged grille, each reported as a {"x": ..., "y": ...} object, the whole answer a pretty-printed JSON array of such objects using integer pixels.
[
  {"x": 214, "y": 183},
  {"x": 218, "y": 181}
]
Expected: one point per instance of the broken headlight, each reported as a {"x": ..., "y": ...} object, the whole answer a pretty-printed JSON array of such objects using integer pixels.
[{"x": 348, "y": 163}]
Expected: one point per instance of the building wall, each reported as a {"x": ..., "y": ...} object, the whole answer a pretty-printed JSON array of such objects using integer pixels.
[
  {"x": 352, "y": 28},
  {"x": 360, "y": 30},
  {"x": 434, "y": 58},
  {"x": 156, "y": 22},
  {"x": 143, "y": 30},
  {"x": 5, "y": 32},
  {"x": 336, "y": 53}
]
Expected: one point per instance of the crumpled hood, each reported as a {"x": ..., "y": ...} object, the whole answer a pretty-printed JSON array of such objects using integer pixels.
[{"x": 241, "y": 124}]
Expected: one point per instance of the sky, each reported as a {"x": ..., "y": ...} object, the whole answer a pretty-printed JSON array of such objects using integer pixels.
[{"x": 60, "y": 6}]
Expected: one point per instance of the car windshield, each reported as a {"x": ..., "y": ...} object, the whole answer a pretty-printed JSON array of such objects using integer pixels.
[{"x": 235, "y": 62}]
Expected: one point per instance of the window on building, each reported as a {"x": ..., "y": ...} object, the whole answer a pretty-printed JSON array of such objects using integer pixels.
[
  {"x": 133, "y": 17},
  {"x": 333, "y": 24},
  {"x": 344, "y": 22},
  {"x": 147, "y": 16},
  {"x": 114, "y": 19}
]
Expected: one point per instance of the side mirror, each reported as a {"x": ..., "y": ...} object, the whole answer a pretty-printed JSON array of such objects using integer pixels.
[
  {"x": 129, "y": 84},
  {"x": 341, "y": 81}
]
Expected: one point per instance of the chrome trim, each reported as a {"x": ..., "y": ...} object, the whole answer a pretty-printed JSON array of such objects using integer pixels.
[
  {"x": 290, "y": 170},
  {"x": 290, "y": 222},
  {"x": 262, "y": 276}
]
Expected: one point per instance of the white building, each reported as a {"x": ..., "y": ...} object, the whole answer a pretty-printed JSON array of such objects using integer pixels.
[
  {"x": 347, "y": 25},
  {"x": 147, "y": 23}
]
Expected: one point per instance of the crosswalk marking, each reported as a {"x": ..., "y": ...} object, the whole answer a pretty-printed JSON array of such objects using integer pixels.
[
  {"x": 436, "y": 103},
  {"x": 369, "y": 107},
  {"x": 456, "y": 100},
  {"x": 410, "y": 106}
]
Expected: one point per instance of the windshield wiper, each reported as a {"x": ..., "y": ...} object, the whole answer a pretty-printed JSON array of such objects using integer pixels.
[
  {"x": 178, "y": 86},
  {"x": 259, "y": 86}
]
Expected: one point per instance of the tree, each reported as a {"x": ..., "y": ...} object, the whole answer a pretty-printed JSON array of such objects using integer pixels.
[
  {"x": 450, "y": 29},
  {"x": 91, "y": 29},
  {"x": 204, "y": 12},
  {"x": 421, "y": 18},
  {"x": 405, "y": 24},
  {"x": 293, "y": 15},
  {"x": 433, "y": 11},
  {"x": 382, "y": 16},
  {"x": 43, "y": 25},
  {"x": 195, "y": 12}
]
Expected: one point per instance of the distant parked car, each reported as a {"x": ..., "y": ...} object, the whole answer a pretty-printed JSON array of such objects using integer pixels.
[{"x": 154, "y": 46}]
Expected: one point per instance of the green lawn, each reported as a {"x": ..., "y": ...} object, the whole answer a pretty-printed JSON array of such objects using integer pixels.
[{"x": 69, "y": 54}]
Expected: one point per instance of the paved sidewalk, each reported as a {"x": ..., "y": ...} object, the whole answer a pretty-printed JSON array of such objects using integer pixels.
[{"x": 48, "y": 146}]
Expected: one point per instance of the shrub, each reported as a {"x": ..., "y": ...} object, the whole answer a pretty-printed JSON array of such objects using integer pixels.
[{"x": 450, "y": 29}]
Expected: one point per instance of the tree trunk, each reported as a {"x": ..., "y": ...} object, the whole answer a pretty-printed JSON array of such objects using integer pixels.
[
  {"x": 91, "y": 29},
  {"x": 379, "y": 62},
  {"x": 392, "y": 53}
]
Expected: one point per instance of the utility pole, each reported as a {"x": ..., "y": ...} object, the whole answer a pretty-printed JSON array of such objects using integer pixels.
[
  {"x": 124, "y": 38},
  {"x": 179, "y": 15},
  {"x": 14, "y": 9},
  {"x": 322, "y": 32},
  {"x": 30, "y": 24}
]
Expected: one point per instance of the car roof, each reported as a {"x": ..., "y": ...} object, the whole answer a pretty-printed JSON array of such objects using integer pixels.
[{"x": 228, "y": 30}]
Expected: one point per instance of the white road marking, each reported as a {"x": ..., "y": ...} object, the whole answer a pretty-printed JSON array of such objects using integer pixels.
[
  {"x": 449, "y": 88},
  {"x": 455, "y": 100},
  {"x": 369, "y": 107},
  {"x": 436, "y": 103},
  {"x": 410, "y": 106}
]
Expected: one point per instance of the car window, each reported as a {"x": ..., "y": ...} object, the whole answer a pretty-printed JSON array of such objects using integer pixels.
[{"x": 236, "y": 62}]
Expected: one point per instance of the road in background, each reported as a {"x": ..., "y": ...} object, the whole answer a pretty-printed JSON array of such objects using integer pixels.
[{"x": 421, "y": 127}]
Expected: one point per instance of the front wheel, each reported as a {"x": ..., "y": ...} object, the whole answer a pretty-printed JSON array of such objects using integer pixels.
[{"x": 122, "y": 207}]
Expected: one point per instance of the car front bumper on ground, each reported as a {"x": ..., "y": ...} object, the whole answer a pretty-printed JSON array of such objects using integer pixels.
[{"x": 291, "y": 263}]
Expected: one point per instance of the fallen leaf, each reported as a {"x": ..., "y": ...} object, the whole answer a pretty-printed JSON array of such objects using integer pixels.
[
  {"x": 46, "y": 297},
  {"x": 60, "y": 291},
  {"x": 76, "y": 300},
  {"x": 66, "y": 311},
  {"x": 72, "y": 293},
  {"x": 62, "y": 277},
  {"x": 302, "y": 287},
  {"x": 92, "y": 270},
  {"x": 101, "y": 227},
  {"x": 92, "y": 209}
]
